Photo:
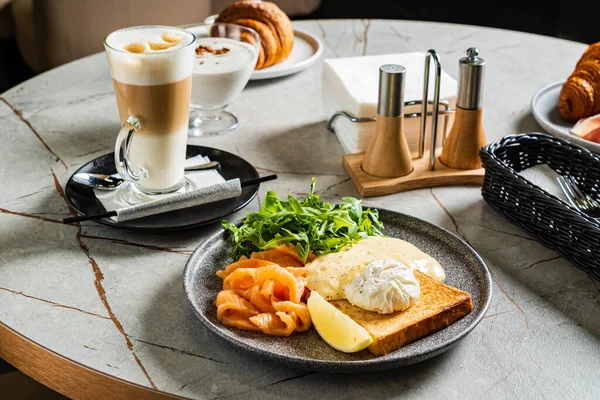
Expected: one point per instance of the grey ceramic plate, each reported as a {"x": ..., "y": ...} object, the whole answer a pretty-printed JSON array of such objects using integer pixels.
[
  {"x": 464, "y": 270},
  {"x": 544, "y": 107}
]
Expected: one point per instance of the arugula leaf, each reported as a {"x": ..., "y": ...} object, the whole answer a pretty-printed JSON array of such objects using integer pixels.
[{"x": 310, "y": 224}]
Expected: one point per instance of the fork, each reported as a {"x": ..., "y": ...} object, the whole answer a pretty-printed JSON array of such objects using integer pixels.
[{"x": 580, "y": 201}]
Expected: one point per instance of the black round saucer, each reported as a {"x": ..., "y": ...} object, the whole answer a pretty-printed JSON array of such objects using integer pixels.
[{"x": 82, "y": 198}]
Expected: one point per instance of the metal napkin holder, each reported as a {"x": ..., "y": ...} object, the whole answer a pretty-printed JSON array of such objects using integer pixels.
[{"x": 436, "y": 102}]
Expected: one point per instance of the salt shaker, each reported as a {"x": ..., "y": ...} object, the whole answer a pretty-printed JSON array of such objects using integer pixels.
[
  {"x": 388, "y": 154},
  {"x": 466, "y": 138}
]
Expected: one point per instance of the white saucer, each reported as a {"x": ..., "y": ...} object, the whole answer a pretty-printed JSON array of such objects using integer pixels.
[
  {"x": 544, "y": 107},
  {"x": 306, "y": 51}
]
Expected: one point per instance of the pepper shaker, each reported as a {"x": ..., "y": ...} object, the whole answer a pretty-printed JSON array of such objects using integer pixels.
[
  {"x": 388, "y": 154},
  {"x": 466, "y": 138}
]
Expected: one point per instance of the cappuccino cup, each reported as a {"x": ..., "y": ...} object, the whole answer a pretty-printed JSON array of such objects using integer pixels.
[{"x": 151, "y": 70}]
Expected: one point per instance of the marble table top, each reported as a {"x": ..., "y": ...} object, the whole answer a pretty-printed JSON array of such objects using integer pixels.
[{"x": 113, "y": 300}]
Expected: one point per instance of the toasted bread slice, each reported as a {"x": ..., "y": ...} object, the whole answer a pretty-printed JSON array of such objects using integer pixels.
[{"x": 438, "y": 306}]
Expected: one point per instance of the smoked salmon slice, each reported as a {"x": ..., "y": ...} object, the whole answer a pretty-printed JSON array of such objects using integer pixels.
[
  {"x": 298, "y": 271},
  {"x": 268, "y": 288},
  {"x": 285, "y": 256},
  {"x": 299, "y": 310},
  {"x": 244, "y": 262},
  {"x": 265, "y": 293},
  {"x": 257, "y": 299},
  {"x": 292, "y": 251},
  {"x": 234, "y": 310},
  {"x": 286, "y": 284},
  {"x": 275, "y": 324}
]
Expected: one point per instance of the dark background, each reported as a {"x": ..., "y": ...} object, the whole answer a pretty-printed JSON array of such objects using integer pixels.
[{"x": 573, "y": 20}]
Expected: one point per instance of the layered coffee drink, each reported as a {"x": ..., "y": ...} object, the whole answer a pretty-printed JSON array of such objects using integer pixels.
[{"x": 151, "y": 69}]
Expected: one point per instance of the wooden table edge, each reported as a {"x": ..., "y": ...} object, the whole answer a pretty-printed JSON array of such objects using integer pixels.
[{"x": 66, "y": 376}]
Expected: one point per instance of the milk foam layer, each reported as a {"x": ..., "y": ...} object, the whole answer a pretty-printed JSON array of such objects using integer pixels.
[
  {"x": 162, "y": 60},
  {"x": 218, "y": 79}
]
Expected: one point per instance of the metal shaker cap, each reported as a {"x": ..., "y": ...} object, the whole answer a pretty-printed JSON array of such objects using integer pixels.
[
  {"x": 470, "y": 80},
  {"x": 391, "y": 90}
]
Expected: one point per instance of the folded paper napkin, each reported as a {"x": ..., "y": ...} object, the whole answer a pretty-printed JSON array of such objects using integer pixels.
[
  {"x": 208, "y": 186},
  {"x": 545, "y": 177},
  {"x": 352, "y": 84}
]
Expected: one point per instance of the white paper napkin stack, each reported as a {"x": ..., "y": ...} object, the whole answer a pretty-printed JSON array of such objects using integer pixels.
[
  {"x": 352, "y": 85},
  {"x": 207, "y": 187}
]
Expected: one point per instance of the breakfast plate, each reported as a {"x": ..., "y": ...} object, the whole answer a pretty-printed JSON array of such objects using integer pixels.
[
  {"x": 465, "y": 270},
  {"x": 83, "y": 200},
  {"x": 544, "y": 107},
  {"x": 306, "y": 51}
]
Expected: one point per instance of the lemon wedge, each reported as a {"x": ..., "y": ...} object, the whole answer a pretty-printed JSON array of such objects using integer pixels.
[{"x": 335, "y": 327}]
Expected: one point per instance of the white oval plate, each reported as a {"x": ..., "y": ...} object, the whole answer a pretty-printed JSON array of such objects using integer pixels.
[
  {"x": 544, "y": 107},
  {"x": 306, "y": 51}
]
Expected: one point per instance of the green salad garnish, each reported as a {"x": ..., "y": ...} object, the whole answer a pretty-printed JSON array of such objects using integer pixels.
[{"x": 310, "y": 224}]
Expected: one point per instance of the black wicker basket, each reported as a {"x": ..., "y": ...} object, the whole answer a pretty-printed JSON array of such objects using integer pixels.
[{"x": 553, "y": 222}]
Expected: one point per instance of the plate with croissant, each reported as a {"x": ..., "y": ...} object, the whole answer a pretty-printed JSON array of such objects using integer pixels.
[
  {"x": 571, "y": 109},
  {"x": 284, "y": 50}
]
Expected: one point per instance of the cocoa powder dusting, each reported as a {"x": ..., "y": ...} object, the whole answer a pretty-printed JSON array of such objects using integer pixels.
[{"x": 202, "y": 49}]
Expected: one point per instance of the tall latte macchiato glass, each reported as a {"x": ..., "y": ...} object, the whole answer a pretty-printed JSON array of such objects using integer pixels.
[{"x": 151, "y": 69}]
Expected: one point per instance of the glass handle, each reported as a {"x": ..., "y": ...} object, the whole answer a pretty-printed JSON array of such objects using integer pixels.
[{"x": 122, "y": 148}]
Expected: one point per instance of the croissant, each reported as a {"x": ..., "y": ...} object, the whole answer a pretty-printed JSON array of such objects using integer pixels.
[
  {"x": 272, "y": 24},
  {"x": 580, "y": 94}
]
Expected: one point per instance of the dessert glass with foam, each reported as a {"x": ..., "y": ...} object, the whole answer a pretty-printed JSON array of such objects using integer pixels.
[
  {"x": 151, "y": 69},
  {"x": 223, "y": 64}
]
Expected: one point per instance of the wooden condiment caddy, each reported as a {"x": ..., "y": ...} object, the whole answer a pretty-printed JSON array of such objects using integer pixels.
[{"x": 387, "y": 166}]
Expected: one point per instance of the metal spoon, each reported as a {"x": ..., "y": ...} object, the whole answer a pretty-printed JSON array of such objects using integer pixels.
[{"x": 111, "y": 182}]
